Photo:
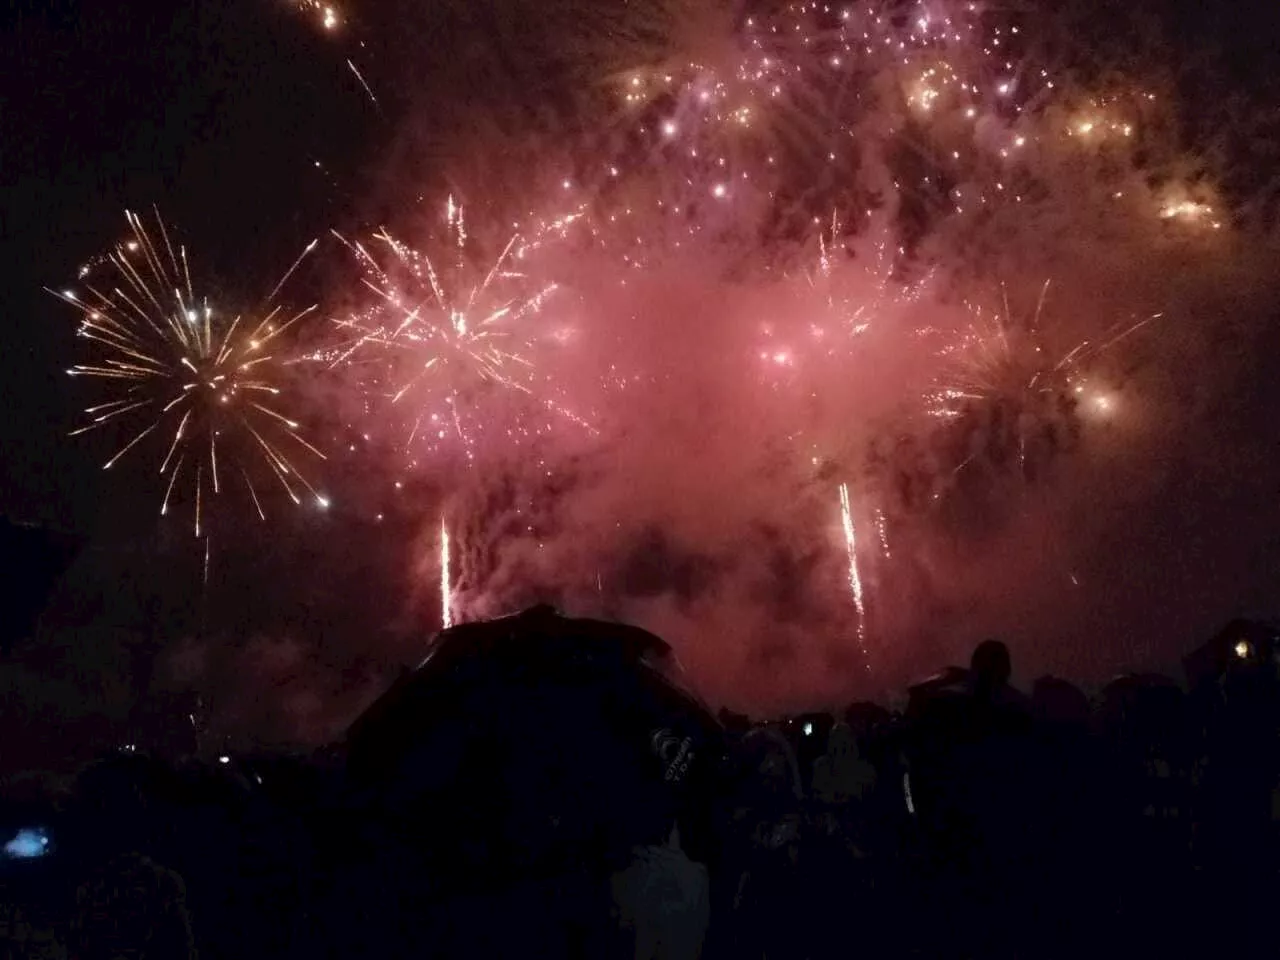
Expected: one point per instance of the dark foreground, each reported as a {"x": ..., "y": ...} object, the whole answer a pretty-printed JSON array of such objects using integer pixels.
[{"x": 544, "y": 787}]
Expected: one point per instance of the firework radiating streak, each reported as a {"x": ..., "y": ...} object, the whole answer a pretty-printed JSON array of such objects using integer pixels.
[
  {"x": 1006, "y": 359},
  {"x": 446, "y": 578},
  {"x": 855, "y": 578},
  {"x": 309, "y": 249},
  {"x": 173, "y": 361}
]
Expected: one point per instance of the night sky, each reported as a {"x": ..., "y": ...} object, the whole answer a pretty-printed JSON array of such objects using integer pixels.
[{"x": 241, "y": 123}]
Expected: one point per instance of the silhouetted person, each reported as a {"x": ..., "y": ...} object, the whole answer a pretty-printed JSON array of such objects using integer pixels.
[
  {"x": 127, "y": 905},
  {"x": 841, "y": 775},
  {"x": 990, "y": 670},
  {"x": 973, "y": 752},
  {"x": 760, "y": 863},
  {"x": 1071, "y": 791}
]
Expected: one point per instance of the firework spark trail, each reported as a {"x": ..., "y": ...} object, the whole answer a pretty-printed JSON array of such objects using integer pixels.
[
  {"x": 363, "y": 83},
  {"x": 882, "y": 528},
  {"x": 446, "y": 578},
  {"x": 178, "y": 364},
  {"x": 855, "y": 578}
]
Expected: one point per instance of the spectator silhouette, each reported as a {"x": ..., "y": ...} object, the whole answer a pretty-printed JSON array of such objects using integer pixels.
[
  {"x": 127, "y": 905},
  {"x": 763, "y": 848},
  {"x": 841, "y": 775},
  {"x": 990, "y": 670}
]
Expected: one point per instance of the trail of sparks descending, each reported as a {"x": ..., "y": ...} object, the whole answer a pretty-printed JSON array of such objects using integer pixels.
[
  {"x": 364, "y": 84},
  {"x": 447, "y": 325},
  {"x": 855, "y": 578},
  {"x": 446, "y": 578},
  {"x": 178, "y": 365}
]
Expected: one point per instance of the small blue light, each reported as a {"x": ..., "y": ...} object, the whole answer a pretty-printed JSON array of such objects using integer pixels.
[{"x": 29, "y": 844}]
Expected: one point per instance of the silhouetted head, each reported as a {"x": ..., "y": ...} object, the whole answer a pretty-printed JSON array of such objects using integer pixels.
[
  {"x": 841, "y": 744},
  {"x": 1058, "y": 701},
  {"x": 108, "y": 807},
  {"x": 991, "y": 665}
]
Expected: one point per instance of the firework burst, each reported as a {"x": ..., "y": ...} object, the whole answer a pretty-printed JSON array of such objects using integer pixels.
[
  {"x": 325, "y": 14},
  {"x": 1022, "y": 398},
  {"x": 177, "y": 368},
  {"x": 446, "y": 327}
]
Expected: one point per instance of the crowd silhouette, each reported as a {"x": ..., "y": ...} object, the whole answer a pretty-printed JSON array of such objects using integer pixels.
[{"x": 547, "y": 787}]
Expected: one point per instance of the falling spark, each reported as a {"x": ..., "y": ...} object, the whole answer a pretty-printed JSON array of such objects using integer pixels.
[
  {"x": 446, "y": 582},
  {"x": 363, "y": 83},
  {"x": 855, "y": 578},
  {"x": 882, "y": 528}
]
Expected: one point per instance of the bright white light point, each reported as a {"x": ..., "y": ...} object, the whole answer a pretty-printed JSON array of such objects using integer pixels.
[
  {"x": 971, "y": 113},
  {"x": 1019, "y": 141},
  {"x": 69, "y": 294},
  {"x": 669, "y": 128},
  {"x": 330, "y": 18},
  {"x": 1003, "y": 88},
  {"x": 322, "y": 503},
  {"x": 719, "y": 191},
  {"x": 566, "y": 184},
  {"x": 224, "y": 759},
  {"x": 1243, "y": 649}
]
